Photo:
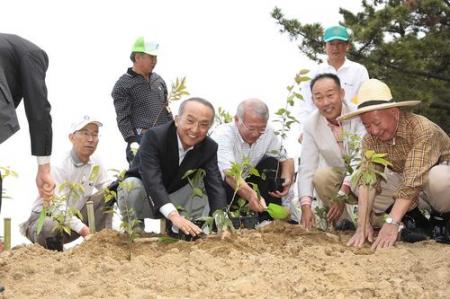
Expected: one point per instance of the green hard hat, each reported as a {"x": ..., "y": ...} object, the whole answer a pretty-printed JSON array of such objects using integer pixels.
[{"x": 144, "y": 45}]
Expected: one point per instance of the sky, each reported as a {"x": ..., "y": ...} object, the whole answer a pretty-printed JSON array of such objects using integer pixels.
[{"x": 228, "y": 51}]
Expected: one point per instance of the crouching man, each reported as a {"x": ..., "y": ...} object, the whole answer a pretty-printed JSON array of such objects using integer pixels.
[
  {"x": 419, "y": 151},
  {"x": 155, "y": 182},
  {"x": 78, "y": 167}
]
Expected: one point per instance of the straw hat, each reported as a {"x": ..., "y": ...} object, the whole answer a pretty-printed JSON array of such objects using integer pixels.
[{"x": 374, "y": 95}]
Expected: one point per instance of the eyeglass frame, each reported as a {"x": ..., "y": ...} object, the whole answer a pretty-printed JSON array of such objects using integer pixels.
[
  {"x": 252, "y": 130},
  {"x": 87, "y": 134}
]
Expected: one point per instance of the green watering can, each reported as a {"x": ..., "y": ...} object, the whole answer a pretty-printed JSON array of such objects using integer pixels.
[{"x": 277, "y": 212}]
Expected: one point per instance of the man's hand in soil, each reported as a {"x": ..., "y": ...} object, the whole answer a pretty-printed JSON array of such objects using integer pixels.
[
  {"x": 308, "y": 219},
  {"x": 336, "y": 210},
  {"x": 360, "y": 236},
  {"x": 386, "y": 237},
  {"x": 185, "y": 225}
]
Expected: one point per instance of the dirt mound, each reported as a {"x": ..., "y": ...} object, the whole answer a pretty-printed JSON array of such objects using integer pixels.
[{"x": 279, "y": 260}]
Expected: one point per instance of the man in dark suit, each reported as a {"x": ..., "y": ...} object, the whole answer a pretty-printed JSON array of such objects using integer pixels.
[
  {"x": 23, "y": 67},
  {"x": 154, "y": 183}
]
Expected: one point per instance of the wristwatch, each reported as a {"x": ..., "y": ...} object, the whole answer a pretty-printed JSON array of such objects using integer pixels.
[{"x": 390, "y": 220}]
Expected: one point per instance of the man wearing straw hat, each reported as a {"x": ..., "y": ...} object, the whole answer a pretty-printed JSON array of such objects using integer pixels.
[{"x": 419, "y": 151}]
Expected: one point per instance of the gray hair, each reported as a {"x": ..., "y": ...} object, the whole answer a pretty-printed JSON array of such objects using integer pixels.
[
  {"x": 254, "y": 106},
  {"x": 198, "y": 100}
]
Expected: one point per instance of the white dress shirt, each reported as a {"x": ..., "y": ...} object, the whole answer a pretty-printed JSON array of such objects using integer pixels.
[{"x": 232, "y": 148}]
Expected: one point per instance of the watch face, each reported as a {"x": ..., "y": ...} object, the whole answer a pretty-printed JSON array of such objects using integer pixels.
[{"x": 389, "y": 220}]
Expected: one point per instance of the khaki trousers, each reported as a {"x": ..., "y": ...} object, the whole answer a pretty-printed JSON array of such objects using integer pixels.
[
  {"x": 102, "y": 220},
  {"x": 327, "y": 182},
  {"x": 436, "y": 193}
]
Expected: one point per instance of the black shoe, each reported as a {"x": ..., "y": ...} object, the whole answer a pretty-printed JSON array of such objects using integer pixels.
[
  {"x": 344, "y": 224},
  {"x": 412, "y": 235},
  {"x": 2, "y": 288},
  {"x": 417, "y": 227},
  {"x": 440, "y": 227}
]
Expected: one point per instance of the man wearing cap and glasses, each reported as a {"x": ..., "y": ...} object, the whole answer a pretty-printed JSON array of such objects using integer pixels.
[
  {"x": 140, "y": 96},
  {"x": 23, "y": 67},
  {"x": 78, "y": 166},
  {"x": 250, "y": 137},
  {"x": 419, "y": 151},
  {"x": 351, "y": 74}
]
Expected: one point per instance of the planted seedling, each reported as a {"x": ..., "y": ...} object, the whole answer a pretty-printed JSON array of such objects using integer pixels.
[
  {"x": 367, "y": 175},
  {"x": 177, "y": 92},
  {"x": 129, "y": 222},
  {"x": 6, "y": 172},
  {"x": 286, "y": 120},
  {"x": 239, "y": 172},
  {"x": 60, "y": 209},
  {"x": 321, "y": 213},
  {"x": 351, "y": 159}
]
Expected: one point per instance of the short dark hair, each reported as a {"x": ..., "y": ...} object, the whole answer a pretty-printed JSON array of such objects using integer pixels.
[
  {"x": 133, "y": 56},
  {"x": 198, "y": 100},
  {"x": 331, "y": 76}
]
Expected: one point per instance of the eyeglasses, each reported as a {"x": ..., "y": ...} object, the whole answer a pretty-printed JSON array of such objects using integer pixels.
[
  {"x": 87, "y": 134},
  {"x": 252, "y": 129}
]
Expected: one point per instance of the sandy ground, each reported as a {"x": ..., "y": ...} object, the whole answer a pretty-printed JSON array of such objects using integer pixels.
[{"x": 278, "y": 261}]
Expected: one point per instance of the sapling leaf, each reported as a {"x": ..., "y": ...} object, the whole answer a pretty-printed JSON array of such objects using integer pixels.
[
  {"x": 197, "y": 192},
  {"x": 368, "y": 154},
  {"x": 41, "y": 220},
  {"x": 94, "y": 173},
  {"x": 66, "y": 229}
]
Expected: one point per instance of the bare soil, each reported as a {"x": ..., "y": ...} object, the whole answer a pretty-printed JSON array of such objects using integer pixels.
[{"x": 278, "y": 261}]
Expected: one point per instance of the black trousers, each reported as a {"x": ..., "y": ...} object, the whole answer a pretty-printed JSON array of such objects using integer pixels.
[{"x": 266, "y": 163}]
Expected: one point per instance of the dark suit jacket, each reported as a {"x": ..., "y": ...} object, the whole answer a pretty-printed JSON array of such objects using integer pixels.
[
  {"x": 23, "y": 67},
  {"x": 156, "y": 163}
]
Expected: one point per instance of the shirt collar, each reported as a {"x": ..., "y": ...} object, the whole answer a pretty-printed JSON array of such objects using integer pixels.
[
  {"x": 346, "y": 64},
  {"x": 134, "y": 74},
  {"x": 76, "y": 160},
  {"x": 131, "y": 72},
  {"x": 180, "y": 146}
]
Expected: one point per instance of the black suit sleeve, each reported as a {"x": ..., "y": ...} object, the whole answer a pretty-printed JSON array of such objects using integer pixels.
[
  {"x": 213, "y": 183},
  {"x": 37, "y": 108},
  {"x": 151, "y": 153}
]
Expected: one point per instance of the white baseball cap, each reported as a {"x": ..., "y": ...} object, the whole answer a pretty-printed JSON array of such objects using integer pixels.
[{"x": 84, "y": 121}]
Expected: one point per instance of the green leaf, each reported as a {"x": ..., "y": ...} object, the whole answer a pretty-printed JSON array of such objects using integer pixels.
[
  {"x": 66, "y": 229},
  {"x": 41, "y": 220},
  {"x": 197, "y": 192}
]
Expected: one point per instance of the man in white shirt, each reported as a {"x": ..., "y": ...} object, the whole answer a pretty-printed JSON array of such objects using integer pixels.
[
  {"x": 78, "y": 167},
  {"x": 250, "y": 137},
  {"x": 351, "y": 74}
]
